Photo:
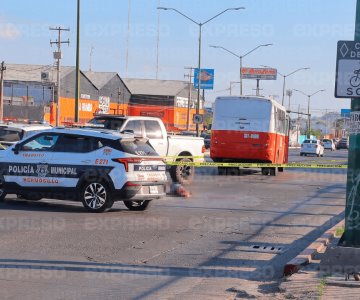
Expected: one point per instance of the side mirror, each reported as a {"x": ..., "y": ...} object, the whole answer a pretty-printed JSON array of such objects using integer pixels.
[{"x": 16, "y": 149}]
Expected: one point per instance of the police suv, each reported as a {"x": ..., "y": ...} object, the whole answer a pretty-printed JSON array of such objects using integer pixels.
[{"x": 96, "y": 167}]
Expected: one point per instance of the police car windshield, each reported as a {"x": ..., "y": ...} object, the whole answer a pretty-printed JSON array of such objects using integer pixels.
[
  {"x": 8, "y": 135},
  {"x": 137, "y": 147}
]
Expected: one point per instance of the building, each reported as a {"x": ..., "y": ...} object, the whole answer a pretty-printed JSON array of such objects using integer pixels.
[
  {"x": 30, "y": 92},
  {"x": 165, "y": 99},
  {"x": 111, "y": 89}
]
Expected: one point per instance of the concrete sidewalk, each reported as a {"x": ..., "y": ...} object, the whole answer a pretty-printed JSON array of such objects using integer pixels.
[{"x": 311, "y": 283}]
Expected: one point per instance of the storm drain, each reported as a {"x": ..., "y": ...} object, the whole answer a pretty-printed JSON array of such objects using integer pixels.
[{"x": 267, "y": 249}]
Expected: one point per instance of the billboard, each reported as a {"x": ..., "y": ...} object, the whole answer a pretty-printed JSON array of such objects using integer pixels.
[
  {"x": 206, "y": 79},
  {"x": 259, "y": 73}
]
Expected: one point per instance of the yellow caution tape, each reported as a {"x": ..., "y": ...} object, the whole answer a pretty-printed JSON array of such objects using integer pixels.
[
  {"x": 179, "y": 157},
  {"x": 258, "y": 165}
]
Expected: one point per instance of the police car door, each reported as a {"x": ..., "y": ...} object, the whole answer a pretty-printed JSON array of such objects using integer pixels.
[
  {"x": 73, "y": 157},
  {"x": 28, "y": 162}
]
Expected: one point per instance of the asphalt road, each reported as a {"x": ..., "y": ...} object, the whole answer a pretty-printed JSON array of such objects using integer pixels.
[{"x": 230, "y": 239}]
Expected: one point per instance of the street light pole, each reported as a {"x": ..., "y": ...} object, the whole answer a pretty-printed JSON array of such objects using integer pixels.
[
  {"x": 199, "y": 57},
  {"x": 308, "y": 110},
  {"x": 240, "y": 57},
  {"x": 199, "y": 75},
  {"x": 287, "y": 75}
]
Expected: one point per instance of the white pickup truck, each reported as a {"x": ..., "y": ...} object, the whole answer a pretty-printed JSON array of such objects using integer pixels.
[{"x": 170, "y": 146}]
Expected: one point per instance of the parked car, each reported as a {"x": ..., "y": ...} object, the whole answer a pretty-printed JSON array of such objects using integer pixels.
[
  {"x": 328, "y": 144},
  {"x": 171, "y": 147},
  {"x": 95, "y": 167},
  {"x": 343, "y": 143},
  {"x": 312, "y": 147},
  {"x": 12, "y": 133}
]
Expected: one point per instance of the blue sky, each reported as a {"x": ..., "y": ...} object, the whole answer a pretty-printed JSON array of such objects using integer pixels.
[{"x": 304, "y": 33}]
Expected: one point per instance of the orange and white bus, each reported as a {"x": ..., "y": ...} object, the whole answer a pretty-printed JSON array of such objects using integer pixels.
[{"x": 249, "y": 129}]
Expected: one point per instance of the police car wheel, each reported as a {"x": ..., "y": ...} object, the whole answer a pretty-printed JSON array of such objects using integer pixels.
[
  {"x": 2, "y": 194},
  {"x": 138, "y": 205},
  {"x": 96, "y": 196},
  {"x": 182, "y": 174}
]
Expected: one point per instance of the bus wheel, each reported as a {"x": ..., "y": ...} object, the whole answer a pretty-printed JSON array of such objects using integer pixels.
[
  {"x": 222, "y": 171},
  {"x": 268, "y": 171},
  {"x": 281, "y": 169},
  {"x": 265, "y": 171},
  {"x": 233, "y": 171}
]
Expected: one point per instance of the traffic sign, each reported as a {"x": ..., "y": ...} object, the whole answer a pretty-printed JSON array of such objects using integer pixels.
[
  {"x": 206, "y": 79},
  {"x": 347, "y": 83},
  {"x": 198, "y": 119}
]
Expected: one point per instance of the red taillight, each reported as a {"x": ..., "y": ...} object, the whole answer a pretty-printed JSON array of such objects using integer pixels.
[
  {"x": 203, "y": 149},
  {"x": 136, "y": 160},
  {"x": 128, "y": 160}
]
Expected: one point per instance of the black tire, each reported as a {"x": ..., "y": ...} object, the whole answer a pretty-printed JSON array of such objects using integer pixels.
[
  {"x": 182, "y": 174},
  {"x": 280, "y": 169},
  {"x": 138, "y": 205},
  {"x": 233, "y": 171},
  {"x": 222, "y": 171},
  {"x": 272, "y": 171},
  {"x": 268, "y": 171},
  {"x": 265, "y": 171},
  {"x": 301, "y": 154},
  {"x": 96, "y": 197},
  {"x": 2, "y": 194}
]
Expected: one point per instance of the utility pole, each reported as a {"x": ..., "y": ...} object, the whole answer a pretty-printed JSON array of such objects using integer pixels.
[
  {"x": 257, "y": 87},
  {"x": 58, "y": 55},
  {"x": 289, "y": 94},
  {"x": 2, "y": 69},
  {"x": 190, "y": 76},
  {"x": 298, "y": 126},
  {"x": 118, "y": 104},
  {"x": 77, "y": 68}
]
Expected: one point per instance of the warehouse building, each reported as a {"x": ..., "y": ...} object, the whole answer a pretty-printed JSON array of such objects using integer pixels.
[
  {"x": 165, "y": 99},
  {"x": 30, "y": 92}
]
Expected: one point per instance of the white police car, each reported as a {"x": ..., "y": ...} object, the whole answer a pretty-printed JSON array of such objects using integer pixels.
[{"x": 96, "y": 167}]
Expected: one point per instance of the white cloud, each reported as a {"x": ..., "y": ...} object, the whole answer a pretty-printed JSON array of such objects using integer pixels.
[{"x": 8, "y": 31}]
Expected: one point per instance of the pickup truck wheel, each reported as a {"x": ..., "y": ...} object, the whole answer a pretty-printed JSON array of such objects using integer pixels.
[
  {"x": 138, "y": 205},
  {"x": 96, "y": 197},
  {"x": 2, "y": 194},
  {"x": 182, "y": 174}
]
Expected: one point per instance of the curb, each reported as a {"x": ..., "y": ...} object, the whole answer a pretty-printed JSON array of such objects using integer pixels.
[{"x": 306, "y": 256}]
